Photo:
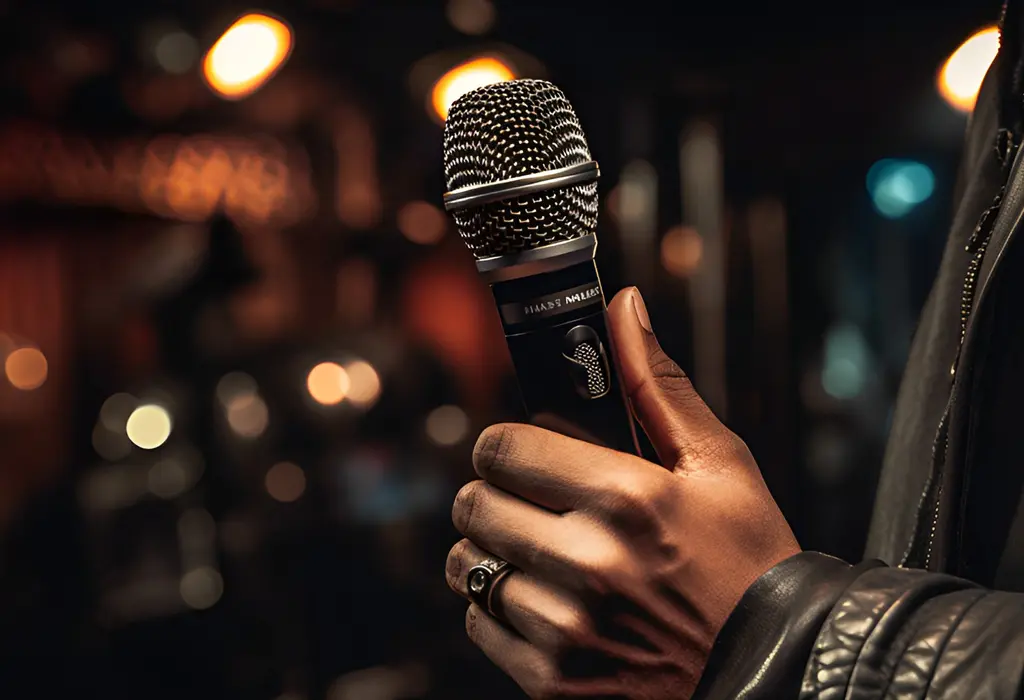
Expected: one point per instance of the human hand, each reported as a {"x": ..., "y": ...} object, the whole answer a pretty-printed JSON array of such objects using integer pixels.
[{"x": 625, "y": 570}]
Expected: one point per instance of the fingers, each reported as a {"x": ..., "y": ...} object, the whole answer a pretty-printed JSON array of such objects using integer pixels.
[
  {"x": 673, "y": 415},
  {"x": 557, "y": 548},
  {"x": 547, "y": 617},
  {"x": 536, "y": 671},
  {"x": 560, "y": 473},
  {"x": 525, "y": 663}
]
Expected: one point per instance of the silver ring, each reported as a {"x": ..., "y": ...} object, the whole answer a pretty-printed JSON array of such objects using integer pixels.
[{"x": 483, "y": 579}]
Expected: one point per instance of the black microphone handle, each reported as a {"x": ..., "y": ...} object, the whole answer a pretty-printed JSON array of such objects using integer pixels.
[{"x": 556, "y": 327}]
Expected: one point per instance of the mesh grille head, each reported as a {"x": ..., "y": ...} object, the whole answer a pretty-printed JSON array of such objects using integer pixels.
[{"x": 510, "y": 129}]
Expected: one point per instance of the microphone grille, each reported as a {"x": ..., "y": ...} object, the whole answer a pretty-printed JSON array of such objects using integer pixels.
[{"x": 507, "y": 130}]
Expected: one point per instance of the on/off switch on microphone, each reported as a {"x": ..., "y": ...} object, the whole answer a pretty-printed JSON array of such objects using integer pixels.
[{"x": 588, "y": 363}]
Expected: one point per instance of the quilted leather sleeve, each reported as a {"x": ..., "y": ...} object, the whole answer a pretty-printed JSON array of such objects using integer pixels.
[
  {"x": 816, "y": 628},
  {"x": 762, "y": 649},
  {"x": 900, "y": 633}
]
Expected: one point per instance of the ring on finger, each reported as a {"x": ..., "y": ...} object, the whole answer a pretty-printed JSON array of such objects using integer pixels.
[{"x": 483, "y": 579}]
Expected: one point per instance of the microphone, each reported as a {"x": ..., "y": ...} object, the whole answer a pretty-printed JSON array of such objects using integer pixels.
[{"x": 522, "y": 189}]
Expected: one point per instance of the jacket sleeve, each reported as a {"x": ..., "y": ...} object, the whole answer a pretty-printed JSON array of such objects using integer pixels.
[{"x": 816, "y": 627}]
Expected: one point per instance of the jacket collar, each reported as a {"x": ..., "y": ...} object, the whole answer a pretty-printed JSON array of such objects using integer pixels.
[{"x": 1011, "y": 66}]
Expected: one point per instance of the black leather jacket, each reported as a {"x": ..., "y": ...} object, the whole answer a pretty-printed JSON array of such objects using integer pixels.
[{"x": 930, "y": 613}]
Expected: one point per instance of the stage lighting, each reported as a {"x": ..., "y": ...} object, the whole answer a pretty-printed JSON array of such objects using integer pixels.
[
  {"x": 247, "y": 55},
  {"x": 961, "y": 77},
  {"x": 465, "y": 77}
]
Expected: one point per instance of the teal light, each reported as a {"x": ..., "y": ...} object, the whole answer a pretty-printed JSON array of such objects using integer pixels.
[
  {"x": 897, "y": 186},
  {"x": 847, "y": 362}
]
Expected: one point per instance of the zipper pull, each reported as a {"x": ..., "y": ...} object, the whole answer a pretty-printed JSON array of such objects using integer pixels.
[
  {"x": 988, "y": 218},
  {"x": 1006, "y": 146}
]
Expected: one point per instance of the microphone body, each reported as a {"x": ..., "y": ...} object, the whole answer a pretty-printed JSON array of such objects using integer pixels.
[
  {"x": 523, "y": 192},
  {"x": 556, "y": 328}
]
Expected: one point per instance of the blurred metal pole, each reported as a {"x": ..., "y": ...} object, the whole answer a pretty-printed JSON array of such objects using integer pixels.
[
  {"x": 700, "y": 175},
  {"x": 767, "y": 229},
  {"x": 638, "y": 197},
  {"x": 766, "y": 226},
  {"x": 638, "y": 214}
]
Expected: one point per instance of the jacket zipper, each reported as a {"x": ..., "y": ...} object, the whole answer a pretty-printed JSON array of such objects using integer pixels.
[{"x": 977, "y": 245}]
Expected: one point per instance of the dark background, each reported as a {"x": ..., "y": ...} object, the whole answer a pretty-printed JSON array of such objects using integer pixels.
[{"x": 155, "y": 238}]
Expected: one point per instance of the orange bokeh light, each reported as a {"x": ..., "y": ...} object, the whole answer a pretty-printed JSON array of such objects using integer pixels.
[
  {"x": 247, "y": 55},
  {"x": 26, "y": 369},
  {"x": 328, "y": 383},
  {"x": 961, "y": 77},
  {"x": 465, "y": 78}
]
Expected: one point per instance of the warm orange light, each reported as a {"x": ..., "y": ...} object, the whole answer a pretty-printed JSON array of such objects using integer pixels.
[
  {"x": 364, "y": 388},
  {"x": 681, "y": 250},
  {"x": 26, "y": 369},
  {"x": 422, "y": 222},
  {"x": 466, "y": 77},
  {"x": 961, "y": 77},
  {"x": 247, "y": 55},
  {"x": 285, "y": 482},
  {"x": 328, "y": 383}
]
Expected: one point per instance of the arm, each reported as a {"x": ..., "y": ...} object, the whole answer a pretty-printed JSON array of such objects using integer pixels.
[{"x": 815, "y": 627}]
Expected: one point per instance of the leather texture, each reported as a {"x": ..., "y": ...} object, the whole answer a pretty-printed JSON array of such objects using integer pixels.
[{"x": 818, "y": 628}]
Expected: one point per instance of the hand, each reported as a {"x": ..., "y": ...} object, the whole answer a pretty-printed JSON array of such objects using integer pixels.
[{"x": 625, "y": 570}]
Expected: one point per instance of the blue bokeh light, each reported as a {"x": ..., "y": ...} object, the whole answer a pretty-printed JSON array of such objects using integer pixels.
[
  {"x": 847, "y": 362},
  {"x": 897, "y": 186}
]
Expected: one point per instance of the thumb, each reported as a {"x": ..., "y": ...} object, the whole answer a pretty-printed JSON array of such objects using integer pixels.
[{"x": 675, "y": 418}]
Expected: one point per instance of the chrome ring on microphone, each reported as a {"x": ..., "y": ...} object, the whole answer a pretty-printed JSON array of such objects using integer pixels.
[{"x": 476, "y": 195}]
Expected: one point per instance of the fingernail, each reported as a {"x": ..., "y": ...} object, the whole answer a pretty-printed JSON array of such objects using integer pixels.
[{"x": 640, "y": 309}]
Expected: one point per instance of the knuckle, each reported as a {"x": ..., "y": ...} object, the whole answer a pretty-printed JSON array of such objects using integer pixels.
[
  {"x": 492, "y": 447},
  {"x": 465, "y": 504},
  {"x": 633, "y": 495},
  {"x": 473, "y": 623},
  {"x": 571, "y": 631},
  {"x": 738, "y": 448},
  {"x": 601, "y": 569}
]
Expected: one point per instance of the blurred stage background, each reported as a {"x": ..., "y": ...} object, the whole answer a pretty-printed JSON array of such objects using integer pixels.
[{"x": 245, "y": 356}]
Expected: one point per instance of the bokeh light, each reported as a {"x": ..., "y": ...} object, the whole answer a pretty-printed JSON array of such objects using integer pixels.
[
  {"x": 447, "y": 425},
  {"x": 149, "y": 426},
  {"x": 235, "y": 384},
  {"x": 681, "y": 250},
  {"x": 201, "y": 588},
  {"x": 422, "y": 222},
  {"x": 472, "y": 17},
  {"x": 961, "y": 77},
  {"x": 328, "y": 383},
  {"x": 26, "y": 368},
  {"x": 285, "y": 482},
  {"x": 173, "y": 476},
  {"x": 364, "y": 389},
  {"x": 176, "y": 52},
  {"x": 898, "y": 186},
  {"x": 247, "y": 55},
  {"x": 847, "y": 362},
  {"x": 109, "y": 444},
  {"x": 466, "y": 77},
  {"x": 115, "y": 411},
  {"x": 247, "y": 415}
]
